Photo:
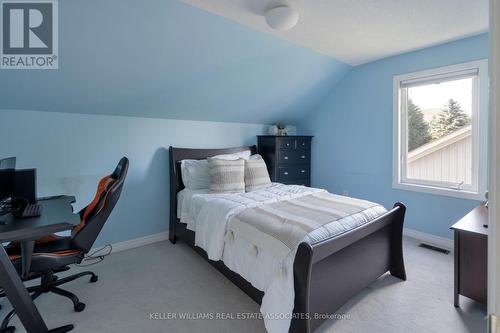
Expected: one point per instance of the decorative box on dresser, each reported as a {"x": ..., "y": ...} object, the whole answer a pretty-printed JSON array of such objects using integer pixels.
[{"x": 288, "y": 158}]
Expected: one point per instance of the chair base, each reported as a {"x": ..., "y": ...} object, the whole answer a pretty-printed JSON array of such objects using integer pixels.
[
  {"x": 62, "y": 329},
  {"x": 33, "y": 276},
  {"x": 50, "y": 283}
]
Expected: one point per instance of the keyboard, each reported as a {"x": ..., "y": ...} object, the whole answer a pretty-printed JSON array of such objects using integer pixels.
[{"x": 32, "y": 210}]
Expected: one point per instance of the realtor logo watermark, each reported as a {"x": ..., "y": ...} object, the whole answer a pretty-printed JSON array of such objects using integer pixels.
[{"x": 29, "y": 34}]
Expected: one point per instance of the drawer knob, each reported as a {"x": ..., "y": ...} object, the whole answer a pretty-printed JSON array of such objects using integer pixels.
[
  {"x": 303, "y": 156},
  {"x": 285, "y": 158},
  {"x": 303, "y": 144},
  {"x": 285, "y": 173},
  {"x": 303, "y": 171},
  {"x": 288, "y": 144}
]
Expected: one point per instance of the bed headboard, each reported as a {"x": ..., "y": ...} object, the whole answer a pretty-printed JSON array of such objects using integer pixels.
[{"x": 179, "y": 154}]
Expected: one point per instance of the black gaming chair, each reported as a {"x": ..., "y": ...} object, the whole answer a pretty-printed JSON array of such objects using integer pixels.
[{"x": 53, "y": 254}]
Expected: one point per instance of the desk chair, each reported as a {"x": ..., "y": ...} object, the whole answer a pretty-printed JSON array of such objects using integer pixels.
[{"x": 54, "y": 253}]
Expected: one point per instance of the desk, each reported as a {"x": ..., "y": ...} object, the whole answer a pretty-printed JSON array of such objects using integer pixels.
[
  {"x": 57, "y": 215},
  {"x": 471, "y": 255}
]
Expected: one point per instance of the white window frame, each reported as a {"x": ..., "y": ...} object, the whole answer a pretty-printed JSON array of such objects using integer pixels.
[{"x": 479, "y": 133}]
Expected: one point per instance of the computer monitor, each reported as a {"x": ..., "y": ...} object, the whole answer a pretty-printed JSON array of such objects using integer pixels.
[
  {"x": 7, "y": 167},
  {"x": 6, "y": 184},
  {"x": 24, "y": 185},
  {"x": 8, "y": 163}
]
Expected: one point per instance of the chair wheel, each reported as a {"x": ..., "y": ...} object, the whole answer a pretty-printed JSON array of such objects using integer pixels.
[
  {"x": 8, "y": 329},
  {"x": 94, "y": 279},
  {"x": 80, "y": 307}
]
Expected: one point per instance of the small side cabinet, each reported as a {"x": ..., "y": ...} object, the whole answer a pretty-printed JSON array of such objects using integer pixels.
[
  {"x": 288, "y": 158},
  {"x": 471, "y": 255}
]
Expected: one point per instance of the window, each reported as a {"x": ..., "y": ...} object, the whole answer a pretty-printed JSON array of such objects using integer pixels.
[{"x": 440, "y": 130}]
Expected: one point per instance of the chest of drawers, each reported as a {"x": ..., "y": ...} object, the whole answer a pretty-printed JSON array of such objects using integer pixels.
[
  {"x": 288, "y": 158},
  {"x": 471, "y": 255}
]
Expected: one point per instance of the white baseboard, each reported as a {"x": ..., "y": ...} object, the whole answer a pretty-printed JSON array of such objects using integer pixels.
[
  {"x": 162, "y": 236},
  {"x": 429, "y": 239},
  {"x": 136, "y": 242}
]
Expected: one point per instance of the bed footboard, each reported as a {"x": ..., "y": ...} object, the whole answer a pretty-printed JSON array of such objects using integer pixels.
[{"x": 329, "y": 273}]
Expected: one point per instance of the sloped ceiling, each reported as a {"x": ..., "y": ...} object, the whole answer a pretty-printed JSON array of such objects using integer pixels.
[
  {"x": 360, "y": 31},
  {"x": 166, "y": 59}
]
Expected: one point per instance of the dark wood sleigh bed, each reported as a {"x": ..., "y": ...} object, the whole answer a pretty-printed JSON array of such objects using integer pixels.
[{"x": 326, "y": 274}]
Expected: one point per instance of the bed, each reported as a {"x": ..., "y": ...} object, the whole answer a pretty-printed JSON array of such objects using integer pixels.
[{"x": 327, "y": 273}]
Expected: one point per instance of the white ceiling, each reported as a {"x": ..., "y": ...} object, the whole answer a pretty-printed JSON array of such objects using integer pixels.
[{"x": 360, "y": 31}]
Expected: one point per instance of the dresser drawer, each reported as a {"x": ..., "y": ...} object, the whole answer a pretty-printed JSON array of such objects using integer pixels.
[
  {"x": 286, "y": 143},
  {"x": 303, "y": 182},
  {"x": 304, "y": 143},
  {"x": 293, "y": 172},
  {"x": 293, "y": 156}
]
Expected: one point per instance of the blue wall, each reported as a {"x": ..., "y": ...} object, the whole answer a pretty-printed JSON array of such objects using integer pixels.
[
  {"x": 119, "y": 74},
  {"x": 72, "y": 152},
  {"x": 149, "y": 61},
  {"x": 166, "y": 59},
  {"x": 353, "y": 135}
]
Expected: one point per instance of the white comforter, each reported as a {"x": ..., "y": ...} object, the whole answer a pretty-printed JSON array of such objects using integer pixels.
[{"x": 209, "y": 215}]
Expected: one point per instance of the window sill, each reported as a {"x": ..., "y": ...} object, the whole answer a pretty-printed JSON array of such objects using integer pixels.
[{"x": 449, "y": 192}]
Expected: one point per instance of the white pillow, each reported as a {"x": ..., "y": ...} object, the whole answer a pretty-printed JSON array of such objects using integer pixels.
[
  {"x": 233, "y": 157},
  {"x": 195, "y": 174},
  {"x": 255, "y": 157}
]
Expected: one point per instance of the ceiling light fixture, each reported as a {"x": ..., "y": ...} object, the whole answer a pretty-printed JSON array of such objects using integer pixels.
[{"x": 282, "y": 18}]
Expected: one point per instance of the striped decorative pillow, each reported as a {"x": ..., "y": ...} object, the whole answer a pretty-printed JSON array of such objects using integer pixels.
[
  {"x": 256, "y": 175},
  {"x": 226, "y": 176}
]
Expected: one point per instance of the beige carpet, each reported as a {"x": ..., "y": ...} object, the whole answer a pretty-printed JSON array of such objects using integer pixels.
[{"x": 163, "y": 278}]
